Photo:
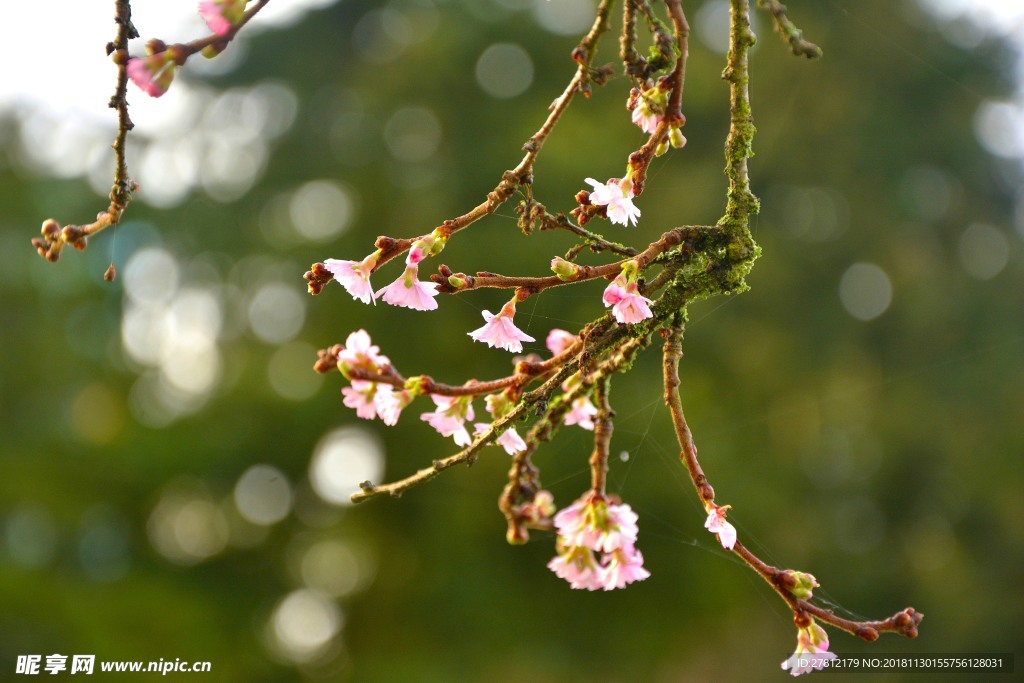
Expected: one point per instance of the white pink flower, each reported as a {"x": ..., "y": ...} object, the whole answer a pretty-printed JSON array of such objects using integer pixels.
[
  {"x": 221, "y": 15},
  {"x": 647, "y": 119},
  {"x": 500, "y": 331},
  {"x": 390, "y": 403},
  {"x": 593, "y": 523},
  {"x": 579, "y": 567},
  {"x": 811, "y": 651},
  {"x": 648, "y": 108},
  {"x": 360, "y": 397},
  {"x": 717, "y": 524},
  {"x": 450, "y": 417},
  {"x": 628, "y": 305},
  {"x": 360, "y": 352},
  {"x": 409, "y": 292},
  {"x": 354, "y": 276},
  {"x": 582, "y": 413},
  {"x": 509, "y": 439},
  {"x": 559, "y": 340},
  {"x": 617, "y": 196},
  {"x": 621, "y": 567},
  {"x": 152, "y": 74}
]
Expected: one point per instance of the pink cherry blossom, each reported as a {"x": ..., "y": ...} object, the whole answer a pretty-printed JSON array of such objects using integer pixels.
[
  {"x": 579, "y": 567},
  {"x": 360, "y": 352},
  {"x": 221, "y": 15},
  {"x": 360, "y": 397},
  {"x": 354, "y": 276},
  {"x": 593, "y": 523},
  {"x": 811, "y": 651},
  {"x": 419, "y": 250},
  {"x": 621, "y": 567},
  {"x": 509, "y": 439},
  {"x": 582, "y": 413},
  {"x": 450, "y": 416},
  {"x": 717, "y": 524},
  {"x": 390, "y": 403},
  {"x": 152, "y": 74},
  {"x": 500, "y": 331},
  {"x": 628, "y": 305},
  {"x": 647, "y": 119},
  {"x": 559, "y": 340},
  {"x": 409, "y": 292},
  {"x": 617, "y": 196}
]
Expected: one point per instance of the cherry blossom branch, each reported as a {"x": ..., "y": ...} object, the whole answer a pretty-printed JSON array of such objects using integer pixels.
[
  {"x": 467, "y": 455},
  {"x": 534, "y": 285},
  {"x": 526, "y": 371},
  {"x": 798, "y": 45},
  {"x": 603, "y": 428},
  {"x": 741, "y": 202},
  {"x": 673, "y": 112},
  {"x": 782, "y": 581},
  {"x": 618, "y": 359},
  {"x": 54, "y": 237},
  {"x": 521, "y": 174},
  {"x": 534, "y": 213},
  {"x": 220, "y": 42}
]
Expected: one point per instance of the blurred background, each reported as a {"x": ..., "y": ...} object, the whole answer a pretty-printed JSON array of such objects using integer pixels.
[{"x": 175, "y": 477}]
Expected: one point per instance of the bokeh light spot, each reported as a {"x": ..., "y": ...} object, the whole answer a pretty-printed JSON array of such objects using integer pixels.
[
  {"x": 983, "y": 250},
  {"x": 289, "y": 371},
  {"x": 344, "y": 458},
  {"x": 277, "y": 312},
  {"x": 865, "y": 291},
  {"x": 413, "y": 134},
  {"x": 504, "y": 70},
  {"x": 304, "y": 623},
  {"x": 321, "y": 210},
  {"x": 263, "y": 495}
]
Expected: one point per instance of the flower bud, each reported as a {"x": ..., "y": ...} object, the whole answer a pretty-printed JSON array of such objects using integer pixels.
[
  {"x": 803, "y": 586},
  {"x": 675, "y": 136},
  {"x": 565, "y": 270},
  {"x": 458, "y": 281}
]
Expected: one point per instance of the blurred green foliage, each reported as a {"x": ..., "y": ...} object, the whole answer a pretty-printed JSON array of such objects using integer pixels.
[{"x": 881, "y": 455}]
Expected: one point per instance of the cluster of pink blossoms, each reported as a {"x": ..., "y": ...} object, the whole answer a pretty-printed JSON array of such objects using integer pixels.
[
  {"x": 591, "y": 525},
  {"x": 452, "y": 414}
]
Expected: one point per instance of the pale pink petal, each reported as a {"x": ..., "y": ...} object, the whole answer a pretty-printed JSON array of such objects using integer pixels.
[
  {"x": 559, "y": 340},
  {"x": 360, "y": 352},
  {"x": 717, "y": 524},
  {"x": 511, "y": 441},
  {"x": 617, "y": 197},
  {"x": 153, "y": 74},
  {"x": 632, "y": 308},
  {"x": 613, "y": 293},
  {"x": 577, "y": 566},
  {"x": 360, "y": 397},
  {"x": 221, "y": 15},
  {"x": 354, "y": 276},
  {"x": 409, "y": 292},
  {"x": 499, "y": 331},
  {"x": 622, "y": 567},
  {"x": 646, "y": 119},
  {"x": 582, "y": 414}
]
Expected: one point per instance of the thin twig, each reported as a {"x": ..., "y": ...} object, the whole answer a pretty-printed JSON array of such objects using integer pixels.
[{"x": 798, "y": 45}]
